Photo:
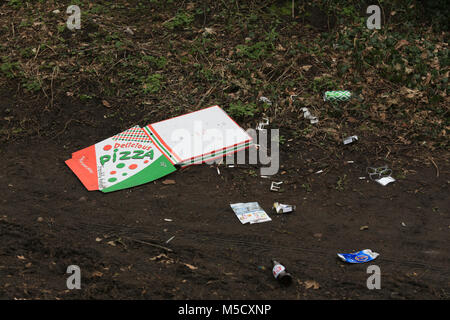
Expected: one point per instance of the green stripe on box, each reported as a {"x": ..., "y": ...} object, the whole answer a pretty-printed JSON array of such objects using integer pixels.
[{"x": 159, "y": 168}]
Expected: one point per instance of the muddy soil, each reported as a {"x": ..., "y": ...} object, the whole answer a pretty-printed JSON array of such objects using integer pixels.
[{"x": 48, "y": 221}]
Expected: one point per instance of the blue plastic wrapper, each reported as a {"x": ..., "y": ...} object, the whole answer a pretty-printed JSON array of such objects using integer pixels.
[{"x": 359, "y": 257}]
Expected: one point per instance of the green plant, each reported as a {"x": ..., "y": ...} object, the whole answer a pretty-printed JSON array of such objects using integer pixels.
[
  {"x": 240, "y": 110},
  {"x": 180, "y": 20},
  {"x": 85, "y": 97},
  {"x": 31, "y": 85},
  {"x": 152, "y": 84},
  {"x": 254, "y": 51},
  {"x": 341, "y": 183},
  {"x": 8, "y": 68},
  {"x": 158, "y": 62},
  {"x": 307, "y": 187},
  {"x": 15, "y": 3}
]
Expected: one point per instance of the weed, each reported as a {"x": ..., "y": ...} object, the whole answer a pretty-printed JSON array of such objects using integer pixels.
[
  {"x": 31, "y": 86},
  {"x": 152, "y": 84},
  {"x": 157, "y": 62},
  {"x": 179, "y": 21},
  {"x": 85, "y": 97},
  {"x": 8, "y": 68},
  {"x": 342, "y": 181},
  {"x": 240, "y": 110},
  {"x": 15, "y": 3},
  {"x": 307, "y": 187}
]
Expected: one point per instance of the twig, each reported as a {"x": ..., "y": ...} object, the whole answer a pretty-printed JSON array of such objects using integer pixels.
[
  {"x": 65, "y": 127},
  {"x": 285, "y": 71},
  {"x": 435, "y": 165},
  {"x": 150, "y": 244},
  {"x": 293, "y": 15},
  {"x": 206, "y": 94},
  {"x": 51, "y": 86}
]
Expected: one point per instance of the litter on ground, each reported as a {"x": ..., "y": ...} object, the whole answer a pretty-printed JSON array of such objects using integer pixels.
[
  {"x": 309, "y": 116},
  {"x": 250, "y": 212},
  {"x": 358, "y": 257},
  {"x": 351, "y": 139},
  {"x": 140, "y": 155},
  {"x": 283, "y": 208},
  {"x": 275, "y": 186}
]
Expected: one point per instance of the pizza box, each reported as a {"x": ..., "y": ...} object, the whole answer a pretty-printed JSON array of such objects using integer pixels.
[{"x": 198, "y": 136}]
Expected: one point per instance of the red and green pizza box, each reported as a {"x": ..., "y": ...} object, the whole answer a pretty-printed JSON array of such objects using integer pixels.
[
  {"x": 140, "y": 155},
  {"x": 123, "y": 161}
]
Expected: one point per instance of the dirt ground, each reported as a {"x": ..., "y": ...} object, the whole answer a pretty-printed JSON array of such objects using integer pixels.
[{"x": 49, "y": 221}]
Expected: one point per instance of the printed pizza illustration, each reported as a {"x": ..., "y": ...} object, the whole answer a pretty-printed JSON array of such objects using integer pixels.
[{"x": 125, "y": 160}]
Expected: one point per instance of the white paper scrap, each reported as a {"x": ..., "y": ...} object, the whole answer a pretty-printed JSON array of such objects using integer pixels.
[{"x": 385, "y": 180}]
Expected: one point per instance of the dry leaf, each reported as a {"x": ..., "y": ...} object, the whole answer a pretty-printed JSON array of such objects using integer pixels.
[
  {"x": 311, "y": 284},
  {"x": 190, "y": 266},
  {"x": 162, "y": 258},
  {"x": 97, "y": 274},
  {"x": 106, "y": 103},
  {"x": 168, "y": 181},
  {"x": 111, "y": 243},
  {"x": 307, "y": 67},
  {"x": 427, "y": 79},
  {"x": 401, "y": 43},
  {"x": 209, "y": 31},
  {"x": 162, "y": 255},
  {"x": 21, "y": 258},
  {"x": 280, "y": 48},
  {"x": 410, "y": 93}
]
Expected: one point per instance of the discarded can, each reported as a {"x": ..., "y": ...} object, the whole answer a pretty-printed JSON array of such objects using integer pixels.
[
  {"x": 283, "y": 208},
  {"x": 358, "y": 257},
  {"x": 336, "y": 96},
  {"x": 351, "y": 139},
  {"x": 279, "y": 272}
]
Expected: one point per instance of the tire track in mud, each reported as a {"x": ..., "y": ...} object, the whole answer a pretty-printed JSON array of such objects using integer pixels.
[{"x": 222, "y": 242}]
